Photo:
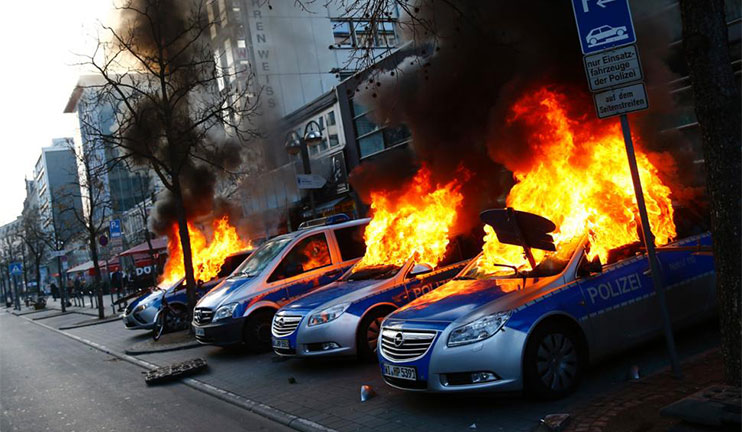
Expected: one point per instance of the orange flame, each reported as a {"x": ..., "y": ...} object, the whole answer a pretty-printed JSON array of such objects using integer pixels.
[
  {"x": 207, "y": 257},
  {"x": 581, "y": 181},
  {"x": 417, "y": 222}
]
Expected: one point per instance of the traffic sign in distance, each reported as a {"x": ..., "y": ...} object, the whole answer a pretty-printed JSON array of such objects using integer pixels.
[
  {"x": 15, "y": 268},
  {"x": 613, "y": 68},
  {"x": 115, "y": 228},
  {"x": 310, "y": 181},
  {"x": 621, "y": 100},
  {"x": 603, "y": 24}
]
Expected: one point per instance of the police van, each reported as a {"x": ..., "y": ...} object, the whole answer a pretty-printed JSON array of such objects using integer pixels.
[
  {"x": 240, "y": 309},
  {"x": 538, "y": 330}
]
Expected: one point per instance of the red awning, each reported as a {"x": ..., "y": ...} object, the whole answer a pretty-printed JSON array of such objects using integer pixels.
[
  {"x": 157, "y": 245},
  {"x": 113, "y": 265}
]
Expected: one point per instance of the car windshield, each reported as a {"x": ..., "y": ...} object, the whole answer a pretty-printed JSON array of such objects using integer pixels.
[
  {"x": 372, "y": 272},
  {"x": 552, "y": 264},
  {"x": 259, "y": 259}
]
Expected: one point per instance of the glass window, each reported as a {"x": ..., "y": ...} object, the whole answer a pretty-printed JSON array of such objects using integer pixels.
[
  {"x": 364, "y": 34},
  {"x": 334, "y": 140},
  {"x": 371, "y": 144},
  {"x": 396, "y": 135},
  {"x": 309, "y": 254},
  {"x": 364, "y": 125},
  {"x": 331, "y": 118},
  {"x": 386, "y": 36},
  {"x": 341, "y": 32},
  {"x": 262, "y": 256},
  {"x": 350, "y": 242}
]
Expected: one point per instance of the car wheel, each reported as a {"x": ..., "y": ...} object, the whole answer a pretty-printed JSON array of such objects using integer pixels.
[
  {"x": 257, "y": 332},
  {"x": 160, "y": 324},
  {"x": 176, "y": 319},
  {"x": 368, "y": 334},
  {"x": 593, "y": 41},
  {"x": 619, "y": 33},
  {"x": 554, "y": 362}
]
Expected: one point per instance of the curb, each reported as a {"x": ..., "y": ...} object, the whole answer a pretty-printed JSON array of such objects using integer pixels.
[
  {"x": 52, "y": 316},
  {"x": 88, "y": 324},
  {"x": 182, "y": 346},
  {"x": 267, "y": 411}
]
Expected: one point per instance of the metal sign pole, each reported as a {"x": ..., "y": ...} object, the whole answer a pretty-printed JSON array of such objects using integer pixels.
[{"x": 649, "y": 244}]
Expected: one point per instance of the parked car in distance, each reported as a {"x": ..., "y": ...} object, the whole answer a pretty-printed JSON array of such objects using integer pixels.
[
  {"x": 142, "y": 313},
  {"x": 539, "y": 329},
  {"x": 344, "y": 318},
  {"x": 240, "y": 309}
]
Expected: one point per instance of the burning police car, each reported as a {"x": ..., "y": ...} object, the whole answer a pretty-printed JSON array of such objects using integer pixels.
[
  {"x": 142, "y": 313},
  {"x": 496, "y": 327},
  {"x": 344, "y": 318},
  {"x": 240, "y": 309}
]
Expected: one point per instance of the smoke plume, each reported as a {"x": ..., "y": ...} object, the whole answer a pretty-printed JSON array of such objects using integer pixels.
[{"x": 479, "y": 58}]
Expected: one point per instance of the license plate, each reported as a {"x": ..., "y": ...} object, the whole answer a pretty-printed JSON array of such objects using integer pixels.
[
  {"x": 281, "y": 343},
  {"x": 200, "y": 332},
  {"x": 401, "y": 372}
]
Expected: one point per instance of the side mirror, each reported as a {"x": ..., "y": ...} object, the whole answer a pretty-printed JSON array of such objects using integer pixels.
[{"x": 419, "y": 269}]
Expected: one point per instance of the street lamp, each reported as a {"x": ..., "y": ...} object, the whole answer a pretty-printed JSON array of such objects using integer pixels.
[{"x": 296, "y": 144}]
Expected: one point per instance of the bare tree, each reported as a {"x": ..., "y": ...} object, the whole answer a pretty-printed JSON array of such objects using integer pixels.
[
  {"x": 175, "y": 105},
  {"x": 35, "y": 240},
  {"x": 93, "y": 168},
  {"x": 717, "y": 104}
]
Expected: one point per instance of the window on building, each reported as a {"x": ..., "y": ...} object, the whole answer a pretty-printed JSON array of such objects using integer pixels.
[
  {"x": 210, "y": 13},
  {"x": 352, "y": 33},
  {"x": 341, "y": 31},
  {"x": 373, "y": 138}
]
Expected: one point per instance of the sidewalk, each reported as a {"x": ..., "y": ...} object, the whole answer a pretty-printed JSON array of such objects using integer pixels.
[
  {"x": 635, "y": 406},
  {"x": 327, "y": 392}
]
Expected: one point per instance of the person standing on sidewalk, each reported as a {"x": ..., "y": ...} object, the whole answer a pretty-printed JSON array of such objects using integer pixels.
[{"x": 55, "y": 291}]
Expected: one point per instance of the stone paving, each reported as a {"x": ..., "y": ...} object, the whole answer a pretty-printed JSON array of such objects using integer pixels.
[{"x": 328, "y": 391}]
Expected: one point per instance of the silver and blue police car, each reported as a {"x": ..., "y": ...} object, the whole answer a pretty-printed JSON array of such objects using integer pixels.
[
  {"x": 143, "y": 312},
  {"x": 537, "y": 331},
  {"x": 240, "y": 309},
  {"x": 344, "y": 318}
]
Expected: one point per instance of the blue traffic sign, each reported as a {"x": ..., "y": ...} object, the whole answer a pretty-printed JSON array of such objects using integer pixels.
[
  {"x": 16, "y": 268},
  {"x": 115, "y": 228},
  {"x": 603, "y": 24}
]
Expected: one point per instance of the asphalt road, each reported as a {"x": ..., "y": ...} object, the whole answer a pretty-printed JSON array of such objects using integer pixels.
[{"x": 51, "y": 383}]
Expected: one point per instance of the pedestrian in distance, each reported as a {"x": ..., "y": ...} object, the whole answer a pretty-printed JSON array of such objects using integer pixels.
[{"x": 55, "y": 291}]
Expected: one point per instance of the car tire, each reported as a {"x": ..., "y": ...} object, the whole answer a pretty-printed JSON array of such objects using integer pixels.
[
  {"x": 176, "y": 319},
  {"x": 554, "y": 361},
  {"x": 619, "y": 33},
  {"x": 368, "y": 334},
  {"x": 257, "y": 332},
  {"x": 593, "y": 41}
]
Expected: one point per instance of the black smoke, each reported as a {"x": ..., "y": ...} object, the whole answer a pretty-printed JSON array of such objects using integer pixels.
[{"x": 478, "y": 58}]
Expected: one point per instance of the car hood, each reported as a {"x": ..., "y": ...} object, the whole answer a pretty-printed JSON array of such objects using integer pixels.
[
  {"x": 154, "y": 298},
  {"x": 456, "y": 299},
  {"x": 334, "y": 293},
  {"x": 228, "y": 291}
]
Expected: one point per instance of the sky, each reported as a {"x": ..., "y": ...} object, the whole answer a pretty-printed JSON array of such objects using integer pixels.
[{"x": 37, "y": 76}]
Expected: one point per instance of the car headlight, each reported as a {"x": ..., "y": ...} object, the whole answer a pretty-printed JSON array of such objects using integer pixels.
[
  {"x": 328, "y": 314},
  {"x": 225, "y": 311},
  {"x": 142, "y": 307},
  {"x": 478, "y": 330}
]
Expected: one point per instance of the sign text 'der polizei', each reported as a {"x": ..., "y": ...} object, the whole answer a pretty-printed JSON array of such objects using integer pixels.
[
  {"x": 613, "y": 68},
  {"x": 621, "y": 100}
]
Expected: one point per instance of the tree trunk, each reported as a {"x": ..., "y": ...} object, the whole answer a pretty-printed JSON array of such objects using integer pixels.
[
  {"x": 717, "y": 104},
  {"x": 185, "y": 244},
  {"x": 38, "y": 277},
  {"x": 60, "y": 289},
  {"x": 96, "y": 267}
]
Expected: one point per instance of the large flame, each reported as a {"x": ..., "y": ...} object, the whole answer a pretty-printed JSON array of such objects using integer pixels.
[
  {"x": 207, "y": 257},
  {"x": 417, "y": 222},
  {"x": 581, "y": 181}
]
